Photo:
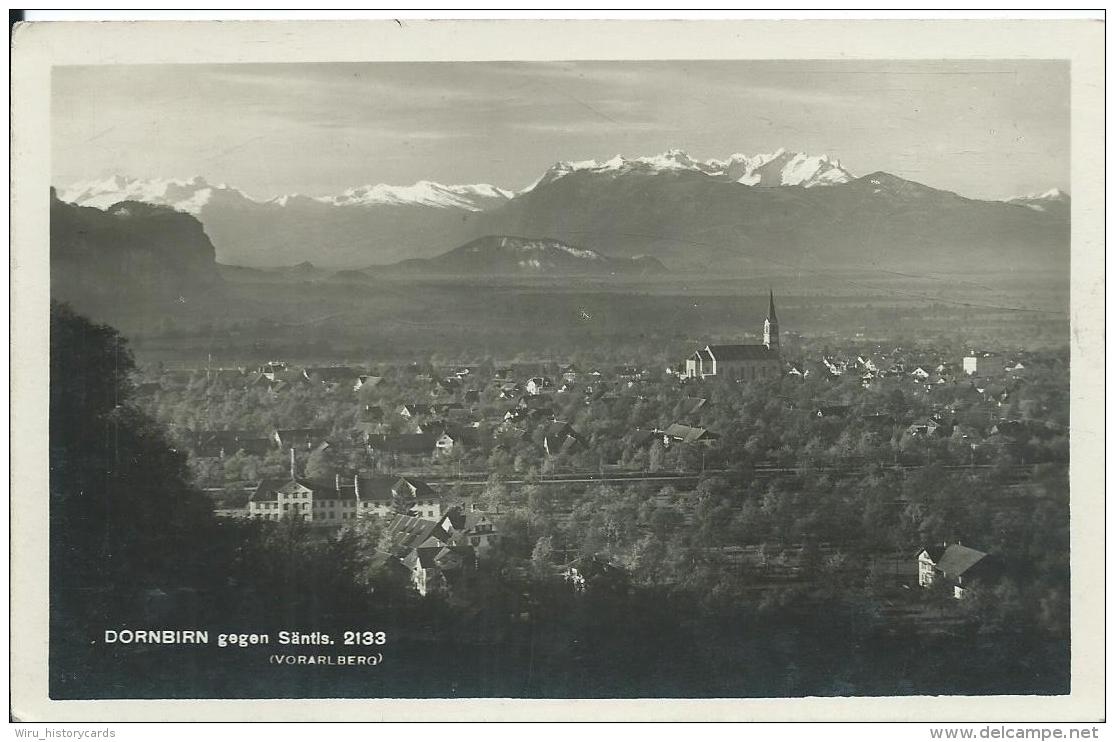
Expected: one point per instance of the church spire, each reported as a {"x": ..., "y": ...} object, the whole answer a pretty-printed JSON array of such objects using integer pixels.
[{"x": 770, "y": 326}]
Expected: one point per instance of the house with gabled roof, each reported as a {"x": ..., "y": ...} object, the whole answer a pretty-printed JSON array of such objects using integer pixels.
[
  {"x": 797, "y": 370},
  {"x": 455, "y": 438},
  {"x": 372, "y": 494},
  {"x": 957, "y": 565},
  {"x": 416, "y": 543},
  {"x": 474, "y": 528},
  {"x": 293, "y": 497},
  {"x": 921, "y": 373},
  {"x": 437, "y": 551},
  {"x": 415, "y": 495},
  {"x": 363, "y": 432},
  {"x": 560, "y": 437},
  {"x": 366, "y": 381},
  {"x": 539, "y": 384},
  {"x": 413, "y": 409},
  {"x": 594, "y": 573},
  {"x": 834, "y": 366},
  {"x": 303, "y": 439},
  {"x": 679, "y": 433}
]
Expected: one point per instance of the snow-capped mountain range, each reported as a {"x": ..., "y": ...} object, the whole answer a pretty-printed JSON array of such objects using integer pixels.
[
  {"x": 774, "y": 169},
  {"x": 192, "y": 195},
  {"x": 779, "y": 168},
  {"x": 189, "y": 195},
  {"x": 663, "y": 205},
  {"x": 427, "y": 193}
]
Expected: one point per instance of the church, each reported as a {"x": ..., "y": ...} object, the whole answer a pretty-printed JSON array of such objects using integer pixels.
[{"x": 741, "y": 362}]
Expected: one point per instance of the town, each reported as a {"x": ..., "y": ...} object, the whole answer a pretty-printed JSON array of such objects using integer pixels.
[{"x": 786, "y": 460}]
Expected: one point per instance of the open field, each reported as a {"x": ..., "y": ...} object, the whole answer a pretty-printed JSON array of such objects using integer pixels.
[{"x": 651, "y": 319}]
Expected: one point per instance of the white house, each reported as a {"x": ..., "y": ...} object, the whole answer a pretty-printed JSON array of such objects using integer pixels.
[{"x": 957, "y": 564}]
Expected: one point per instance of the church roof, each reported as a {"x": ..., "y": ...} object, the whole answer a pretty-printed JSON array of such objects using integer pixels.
[{"x": 724, "y": 353}]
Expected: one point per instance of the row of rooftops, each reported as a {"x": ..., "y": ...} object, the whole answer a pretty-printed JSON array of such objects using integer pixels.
[
  {"x": 358, "y": 488},
  {"x": 455, "y": 379},
  {"x": 881, "y": 359},
  {"x": 436, "y": 434}
]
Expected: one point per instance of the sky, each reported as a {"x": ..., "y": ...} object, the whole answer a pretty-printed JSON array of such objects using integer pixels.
[{"x": 985, "y": 129}]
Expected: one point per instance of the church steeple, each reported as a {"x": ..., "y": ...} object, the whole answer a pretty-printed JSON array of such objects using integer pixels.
[{"x": 770, "y": 326}]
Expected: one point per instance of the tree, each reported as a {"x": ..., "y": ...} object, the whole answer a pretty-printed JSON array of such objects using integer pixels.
[
  {"x": 495, "y": 495},
  {"x": 122, "y": 508},
  {"x": 541, "y": 557},
  {"x": 538, "y": 499},
  {"x": 321, "y": 466}
]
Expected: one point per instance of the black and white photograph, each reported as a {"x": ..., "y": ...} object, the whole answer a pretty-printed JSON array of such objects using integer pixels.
[{"x": 734, "y": 377}]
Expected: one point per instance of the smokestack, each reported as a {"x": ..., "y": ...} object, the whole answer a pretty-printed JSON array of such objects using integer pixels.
[
  {"x": 337, "y": 482},
  {"x": 356, "y": 485},
  {"x": 292, "y": 474}
]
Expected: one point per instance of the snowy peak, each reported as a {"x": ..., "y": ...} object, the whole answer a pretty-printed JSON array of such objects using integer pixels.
[
  {"x": 1053, "y": 194},
  {"x": 1054, "y": 199},
  {"x": 779, "y": 168},
  {"x": 192, "y": 195},
  {"x": 795, "y": 169},
  {"x": 185, "y": 195},
  {"x": 424, "y": 192}
]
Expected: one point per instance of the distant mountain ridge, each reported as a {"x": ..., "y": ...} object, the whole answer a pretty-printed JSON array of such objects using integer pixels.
[
  {"x": 132, "y": 257},
  {"x": 192, "y": 195},
  {"x": 739, "y": 213},
  {"x": 693, "y": 222},
  {"x": 1054, "y": 200},
  {"x": 499, "y": 255},
  {"x": 779, "y": 168}
]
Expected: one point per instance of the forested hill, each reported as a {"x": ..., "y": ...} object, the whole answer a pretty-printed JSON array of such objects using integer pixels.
[{"x": 130, "y": 258}]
